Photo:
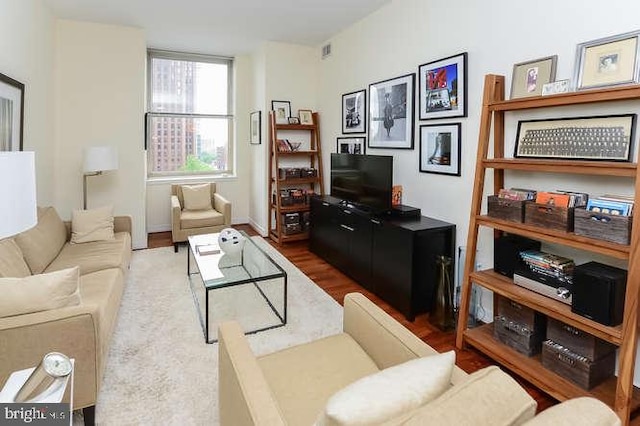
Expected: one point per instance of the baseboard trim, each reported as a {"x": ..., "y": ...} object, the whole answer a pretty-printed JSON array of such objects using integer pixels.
[
  {"x": 260, "y": 229},
  {"x": 158, "y": 228}
]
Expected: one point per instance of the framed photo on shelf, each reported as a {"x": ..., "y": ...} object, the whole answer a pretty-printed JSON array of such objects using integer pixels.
[
  {"x": 306, "y": 116},
  {"x": 529, "y": 77},
  {"x": 11, "y": 114},
  {"x": 391, "y": 113},
  {"x": 440, "y": 146},
  {"x": 606, "y": 138},
  {"x": 350, "y": 145},
  {"x": 354, "y": 112},
  {"x": 255, "y": 128},
  {"x": 607, "y": 61},
  {"x": 294, "y": 120},
  {"x": 442, "y": 88},
  {"x": 282, "y": 111}
]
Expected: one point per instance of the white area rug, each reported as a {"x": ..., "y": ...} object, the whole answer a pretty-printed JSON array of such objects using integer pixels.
[{"x": 160, "y": 371}]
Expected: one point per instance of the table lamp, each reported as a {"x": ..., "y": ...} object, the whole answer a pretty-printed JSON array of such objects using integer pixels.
[
  {"x": 18, "y": 210},
  {"x": 97, "y": 159}
]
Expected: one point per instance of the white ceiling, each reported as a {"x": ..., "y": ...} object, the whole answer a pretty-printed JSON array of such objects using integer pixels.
[{"x": 222, "y": 27}]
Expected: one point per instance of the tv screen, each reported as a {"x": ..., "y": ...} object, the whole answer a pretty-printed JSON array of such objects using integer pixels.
[{"x": 364, "y": 180}]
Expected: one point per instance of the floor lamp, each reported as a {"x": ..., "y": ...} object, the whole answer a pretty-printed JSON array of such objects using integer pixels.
[
  {"x": 97, "y": 159},
  {"x": 18, "y": 211}
]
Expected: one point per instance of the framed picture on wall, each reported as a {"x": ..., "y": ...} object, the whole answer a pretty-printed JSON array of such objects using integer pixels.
[
  {"x": 282, "y": 111},
  {"x": 11, "y": 114},
  {"x": 440, "y": 146},
  {"x": 354, "y": 112},
  {"x": 256, "y": 127},
  {"x": 442, "y": 88},
  {"x": 391, "y": 113},
  {"x": 351, "y": 145},
  {"x": 529, "y": 77}
]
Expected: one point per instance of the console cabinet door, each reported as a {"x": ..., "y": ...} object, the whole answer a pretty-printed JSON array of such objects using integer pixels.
[
  {"x": 325, "y": 238},
  {"x": 357, "y": 229}
]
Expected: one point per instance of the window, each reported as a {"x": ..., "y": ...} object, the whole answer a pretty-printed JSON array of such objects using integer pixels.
[{"x": 189, "y": 123}]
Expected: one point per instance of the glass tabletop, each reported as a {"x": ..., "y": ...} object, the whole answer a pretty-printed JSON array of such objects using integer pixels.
[{"x": 218, "y": 269}]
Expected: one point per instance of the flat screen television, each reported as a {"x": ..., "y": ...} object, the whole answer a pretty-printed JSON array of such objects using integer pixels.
[{"x": 363, "y": 180}]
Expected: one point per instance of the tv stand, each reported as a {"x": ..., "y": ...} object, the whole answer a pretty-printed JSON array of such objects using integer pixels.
[{"x": 393, "y": 258}]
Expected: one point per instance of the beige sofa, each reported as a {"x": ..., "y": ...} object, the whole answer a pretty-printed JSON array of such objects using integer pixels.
[
  {"x": 83, "y": 331},
  {"x": 292, "y": 386}
]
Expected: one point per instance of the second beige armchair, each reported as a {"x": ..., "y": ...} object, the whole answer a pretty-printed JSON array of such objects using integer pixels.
[{"x": 197, "y": 209}]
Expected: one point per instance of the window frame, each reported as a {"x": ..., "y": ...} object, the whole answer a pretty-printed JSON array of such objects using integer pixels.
[{"x": 229, "y": 116}]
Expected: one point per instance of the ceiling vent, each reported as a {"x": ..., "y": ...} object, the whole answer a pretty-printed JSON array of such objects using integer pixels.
[{"x": 326, "y": 50}]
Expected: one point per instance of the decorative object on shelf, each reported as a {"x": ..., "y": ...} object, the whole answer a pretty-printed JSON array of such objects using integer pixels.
[
  {"x": 282, "y": 111},
  {"x": 396, "y": 195},
  {"x": 608, "y": 61},
  {"x": 440, "y": 146},
  {"x": 606, "y": 138},
  {"x": 255, "y": 126},
  {"x": 351, "y": 145},
  {"x": 285, "y": 145},
  {"x": 97, "y": 159},
  {"x": 354, "y": 112},
  {"x": 529, "y": 77},
  {"x": 306, "y": 116},
  {"x": 294, "y": 120},
  {"x": 391, "y": 113},
  {"x": 443, "y": 88},
  {"x": 442, "y": 315},
  {"x": 18, "y": 209},
  {"x": 560, "y": 86},
  {"x": 11, "y": 114}
]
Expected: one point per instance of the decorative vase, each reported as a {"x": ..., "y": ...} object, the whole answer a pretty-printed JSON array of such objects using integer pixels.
[
  {"x": 442, "y": 315},
  {"x": 231, "y": 242}
]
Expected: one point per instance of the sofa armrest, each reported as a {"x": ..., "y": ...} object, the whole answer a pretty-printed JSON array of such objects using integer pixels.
[
  {"x": 585, "y": 411},
  {"x": 245, "y": 397},
  {"x": 175, "y": 213},
  {"x": 123, "y": 224},
  {"x": 223, "y": 206},
  {"x": 383, "y": 338}
]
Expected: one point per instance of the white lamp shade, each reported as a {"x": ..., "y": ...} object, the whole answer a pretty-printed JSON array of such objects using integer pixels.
[
  {"x": 18, "y": 210},
  {"x": 100, "y": 159}
]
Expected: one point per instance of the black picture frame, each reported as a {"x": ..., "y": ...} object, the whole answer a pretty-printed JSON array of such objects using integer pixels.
[
  {"x": 440, "y": 149},
  {"x": 442, "y": 88},
  {"x": 281, "y": 111},
  {"x": 11, "y": 114},
  {"x": 354, "y": 112},
  {"x": 255, "y": 128},
  {"x": 391, "y": 106},
  {"x": 351, "y": 145},
  {"x": 594, "y": 138}
]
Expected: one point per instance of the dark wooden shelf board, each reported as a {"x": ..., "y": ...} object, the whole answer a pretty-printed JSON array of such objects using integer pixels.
[{"x": 600, "y": 168}]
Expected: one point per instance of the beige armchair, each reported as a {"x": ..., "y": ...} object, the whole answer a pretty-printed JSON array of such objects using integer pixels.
[{"x": 186, "y": 222}]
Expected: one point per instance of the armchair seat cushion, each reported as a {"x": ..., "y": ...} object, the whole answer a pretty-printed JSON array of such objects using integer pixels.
[
  {"x": 303, "y": 378},
  {"x": 190, "y": 219},
  {"x": 96, "y": 255}
]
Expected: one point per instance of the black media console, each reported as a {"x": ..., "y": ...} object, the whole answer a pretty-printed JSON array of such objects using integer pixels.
[{"x": 393, "y": 258}]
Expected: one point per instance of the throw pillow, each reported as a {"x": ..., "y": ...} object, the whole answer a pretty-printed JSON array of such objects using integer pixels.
[
  {"x": 395, "y": 390},
  {"x": 92, "y": 225},
  {"x": 12, "y": 262},
  {"x": 40, "y": 292},
  {"x": 42, "y": 243},
  {"x": 197, "y": 197}
]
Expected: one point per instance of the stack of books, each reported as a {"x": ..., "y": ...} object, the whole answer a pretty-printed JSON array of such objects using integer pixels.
[
  {"x": 616, "y": 205},
  {"x": 518, "y": 194},
  {"x": 549, "y": 265},
  {"x": 565, "y": 199}
]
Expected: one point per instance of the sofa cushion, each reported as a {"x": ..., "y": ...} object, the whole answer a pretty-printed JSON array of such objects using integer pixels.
[
  {"x": 197, "y": 197},
  {"x": 391, "y": 392},
  {"x": 40, "y": 292},
  {"x": 200, "y": 219},
  {"x": 96, "y": 255},
  {"x": 302, "y": 378},
  {"x": 489, "y": 397},
  {"x": 92, "y": 225},
  {"x": 12, "y": 262},
  {"x": 581, "y": 411},
  {"x": 42, "y": 243}
]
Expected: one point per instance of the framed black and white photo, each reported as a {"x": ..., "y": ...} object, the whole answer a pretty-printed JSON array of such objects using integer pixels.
[
  {"x": 607, "y": 61},
  {"x": 11, "y": 114},
  {"x": 442, "y": 88},
  {"x": 607, "y": 138},
  {"x": 529, "y": 77},
  {"x": 440, "y": 146},
  {"x": 354, "y": 112},
  {"x": 350, "y": 145},
  {"x": 391, "y": 113},
  {"x": 282, "y": 111},
  {"x": 255, "y": 128}
]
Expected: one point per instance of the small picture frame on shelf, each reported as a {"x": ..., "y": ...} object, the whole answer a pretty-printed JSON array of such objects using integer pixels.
[
  {"x": 282, "y": 111},
  {"x": 354, "y": 112},
  {"x": 529, "y": 77},
  {"x": 556, "y": 87},
  {"x": 351, "y": 145},
  {"x": 294, "y": 120},
  {"x": 608, "y": 61},
  {"x": 440, "y": 148},
  {"x": 255, "y": 128},
  {"x": 306, "y": 116}
]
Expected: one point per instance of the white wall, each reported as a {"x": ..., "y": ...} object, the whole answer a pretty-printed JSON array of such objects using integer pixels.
[
  {"x": 26, "y": 55},
  {"x": 99, "y": 100}
]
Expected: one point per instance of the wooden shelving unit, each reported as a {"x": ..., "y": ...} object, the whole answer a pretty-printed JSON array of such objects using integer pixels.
[
  {"x": 618, "y": 392},
  {"x": 312, "y": 158}
]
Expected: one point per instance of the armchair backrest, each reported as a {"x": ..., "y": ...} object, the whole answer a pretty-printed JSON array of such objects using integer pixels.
[{"x": 177, "y": 190}]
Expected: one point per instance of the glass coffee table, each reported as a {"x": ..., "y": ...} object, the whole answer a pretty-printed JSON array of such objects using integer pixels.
[{"x": 250, "y": 288}]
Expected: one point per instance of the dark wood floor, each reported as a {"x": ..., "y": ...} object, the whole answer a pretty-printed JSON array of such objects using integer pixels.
[{"x": 337, "y": 285}]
